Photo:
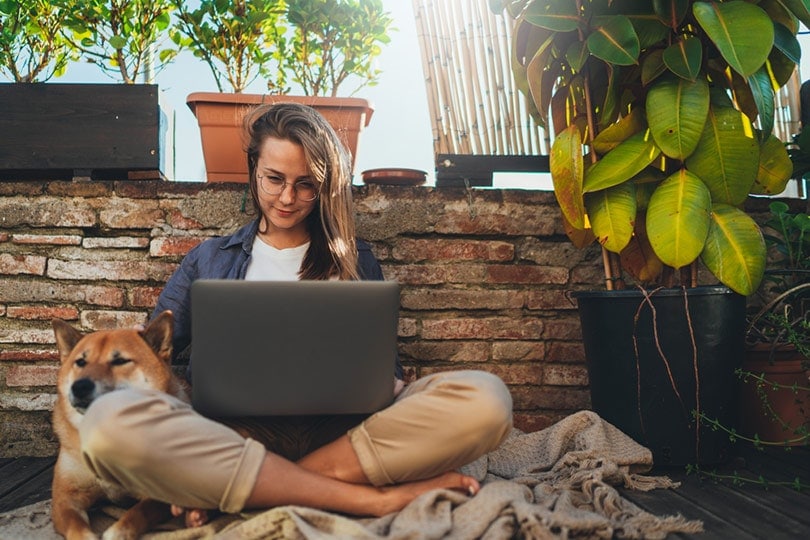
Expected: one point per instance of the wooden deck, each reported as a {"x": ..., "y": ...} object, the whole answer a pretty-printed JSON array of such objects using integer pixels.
[{"x": 729, "y": 510}]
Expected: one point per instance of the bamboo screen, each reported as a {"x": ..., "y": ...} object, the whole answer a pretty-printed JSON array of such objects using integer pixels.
[{"x": 474, "y": 105}]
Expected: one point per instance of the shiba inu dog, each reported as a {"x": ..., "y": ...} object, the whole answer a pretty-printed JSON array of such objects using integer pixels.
[{"x": 92, "y": 365}]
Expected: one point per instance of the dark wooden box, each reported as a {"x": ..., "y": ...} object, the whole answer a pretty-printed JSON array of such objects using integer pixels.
[
  {"x": 101, "y": 131},
  {"x": 465, "y": 170}
]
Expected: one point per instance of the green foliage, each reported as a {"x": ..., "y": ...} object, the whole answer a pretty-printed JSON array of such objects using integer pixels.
[
  {"x": 236, "y": 39},
  {"x": 32, "y": 47},
  {"x": 783, "y": 310},
  {"x": 686, "y": 90},
  {"x": 318, "y": 44},
  {"x": 118, "y": 35},
  {"x": 331, "y": 41}
]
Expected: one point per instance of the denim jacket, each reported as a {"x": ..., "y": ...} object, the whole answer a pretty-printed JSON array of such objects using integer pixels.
[{"x": 227, "y": 257}]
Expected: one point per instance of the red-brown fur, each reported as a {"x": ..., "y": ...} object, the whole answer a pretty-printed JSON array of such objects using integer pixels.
[{"x": 104, "y": 361}]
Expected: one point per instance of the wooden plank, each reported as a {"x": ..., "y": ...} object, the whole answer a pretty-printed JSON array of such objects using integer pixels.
[
  {"x": 21, "y": 470},
  {"x": 738, "y": 506},
  {"x": 663, "y": 502},
  {"x": 35, "y": 489}
]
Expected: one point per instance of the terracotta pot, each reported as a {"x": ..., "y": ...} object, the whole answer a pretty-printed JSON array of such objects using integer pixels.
[
  {"x": 784, "y": 367},
  {"x": 220, "y": 117}
]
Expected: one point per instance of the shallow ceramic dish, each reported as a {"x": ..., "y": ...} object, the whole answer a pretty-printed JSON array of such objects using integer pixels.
[{"x": 395, "y": 177}]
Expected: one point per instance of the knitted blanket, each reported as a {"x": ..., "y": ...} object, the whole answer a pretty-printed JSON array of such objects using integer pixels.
[{"x": 555, "y": 483}]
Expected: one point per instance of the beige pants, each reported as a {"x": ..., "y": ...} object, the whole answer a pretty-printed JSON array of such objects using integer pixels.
[{"x": 157, "y": 446}]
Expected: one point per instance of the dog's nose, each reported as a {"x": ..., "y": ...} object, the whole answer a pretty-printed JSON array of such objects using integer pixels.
[{"x": 82, "y": 389}]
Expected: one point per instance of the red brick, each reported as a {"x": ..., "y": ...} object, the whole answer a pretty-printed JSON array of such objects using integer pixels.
[
  {"x": 105, "y": 320},
  {"x": 414, "y": 250},
  {"x": 485, "y": 328},
  {"x": 43, "y": 312},
  {"x": 80, "y": 189},
  {"x": 519, "y": 350},
  {"x": 22, "y": 264},
  {"x": 565, "y": 352},
  {"x": 407, "y": 327},
  {"x": 563, "y": 329},
  {"x": 447, "y": 351},
  {"x": 120, "y": 213},
  {"x": 550, "y": 299},
  {"x": 531, "y": 422},
  {"x": 48, "y": 239},
  {"x": 177, "y": 220},
  {"x": 30, "y": 355},
  {"x": 173, "y": 245},
  {"x": 565, "y": 375},
  {"x": 112, "y": 270},
  {"x": 526, "y": 274},
  {"x": 428, "y": 274},
  {"x": 36, "y": 375},
  {"x": 434, "y": 299},
  {"x": 556, "y": 398},
  {"x": 144, "y": 296}
]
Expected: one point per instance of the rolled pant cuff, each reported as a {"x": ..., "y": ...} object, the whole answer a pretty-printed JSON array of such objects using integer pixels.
[
  {"x": 370, "y": 461},
  {"x": 244, "y": 477}
]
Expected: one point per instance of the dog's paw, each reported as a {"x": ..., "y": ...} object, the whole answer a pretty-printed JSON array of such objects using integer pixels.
[{"x": 118, "y": 532}]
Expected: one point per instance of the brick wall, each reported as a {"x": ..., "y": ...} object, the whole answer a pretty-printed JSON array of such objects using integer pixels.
[{"x": 484, "y": 276}]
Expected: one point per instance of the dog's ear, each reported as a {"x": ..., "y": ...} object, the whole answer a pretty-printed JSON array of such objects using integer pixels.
[
  {"x": 158, "y": 334},
  {"x": 66, "y": 337}
]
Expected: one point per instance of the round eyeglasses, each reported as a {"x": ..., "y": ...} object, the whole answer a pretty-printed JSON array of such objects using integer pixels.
[{"x": 305, "y": 190}]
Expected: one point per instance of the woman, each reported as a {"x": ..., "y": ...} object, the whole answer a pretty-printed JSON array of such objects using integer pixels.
[{"x": 300, "y": 186}]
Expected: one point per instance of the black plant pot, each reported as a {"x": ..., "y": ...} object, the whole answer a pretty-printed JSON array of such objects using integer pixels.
[{"x": 647, "y": 386}]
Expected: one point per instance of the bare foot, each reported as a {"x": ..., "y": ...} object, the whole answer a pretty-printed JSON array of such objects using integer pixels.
[
  {"x": 396, "y": 497},
  {"x": 194, "y": 517}
]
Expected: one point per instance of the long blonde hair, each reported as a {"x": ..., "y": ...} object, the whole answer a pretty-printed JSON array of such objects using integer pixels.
[{"x": 333, "y": 249}]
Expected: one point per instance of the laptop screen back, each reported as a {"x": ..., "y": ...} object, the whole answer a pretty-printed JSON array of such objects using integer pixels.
[{"x": 264, "y": 348}]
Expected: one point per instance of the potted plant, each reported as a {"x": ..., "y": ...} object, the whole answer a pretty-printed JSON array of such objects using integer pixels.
[
  {"x": 775, "y": 394},
  {"x": 32, "y": 46},
  {"x": 316, "y": 45},
  {"x": 654, "y": 155},
  {"x": 100, "y": 131}
]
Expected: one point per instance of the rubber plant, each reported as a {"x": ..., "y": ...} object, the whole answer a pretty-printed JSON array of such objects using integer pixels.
[
  {"x": 662, "y": 115},
  {"x": 32, "y": 46}
]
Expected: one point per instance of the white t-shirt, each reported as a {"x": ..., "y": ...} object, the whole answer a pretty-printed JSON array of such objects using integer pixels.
[{"x": 271, "y": 264}]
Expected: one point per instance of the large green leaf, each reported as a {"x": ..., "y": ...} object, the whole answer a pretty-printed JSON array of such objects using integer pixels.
[
  {"x": 742, "y": 32},
  {"x": 684, "y": 57},
  {"x": 735, "y": 249},
  {"x": 799, "y": 8},
  {"x": 622, "y": 163},
  {"x": 676, "y": 114},
  {"x": 610, "y": 137},
  {"x": 763, "y": 94},
  {"x": 652, "y": 66},
  {"x": 612, "y": 213},
  {"x": 727, "y": 156},
  {"x": 615, "y": 41},
  {"x": 671, "y": 12},
  {"x": 678, "y": 218},
  {"x": 565, "y": 162},
  {"x": 786, "y": 42},
  {"x": 775, "y": 168},
  {"x": 557, "y": 15}
]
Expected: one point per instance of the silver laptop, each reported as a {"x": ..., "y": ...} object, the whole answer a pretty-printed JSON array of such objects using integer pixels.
[{"x": 267, "y": 348}]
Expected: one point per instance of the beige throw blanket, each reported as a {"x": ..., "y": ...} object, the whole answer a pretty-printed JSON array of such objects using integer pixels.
[{"x": 554, "y": 483}]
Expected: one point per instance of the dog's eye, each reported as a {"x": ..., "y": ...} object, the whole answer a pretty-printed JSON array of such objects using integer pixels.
[
  {"x": 81, "y": 362},
  {"x": 119, "y": 361}
]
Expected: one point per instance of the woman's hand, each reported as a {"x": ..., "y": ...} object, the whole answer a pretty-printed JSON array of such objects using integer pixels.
[{"x": 399, "y": 384}]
